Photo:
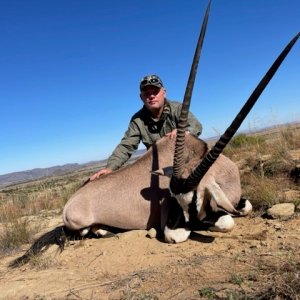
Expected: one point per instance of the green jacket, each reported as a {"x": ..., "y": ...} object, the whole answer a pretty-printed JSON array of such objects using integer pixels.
[{"x": 142, "y": 128}]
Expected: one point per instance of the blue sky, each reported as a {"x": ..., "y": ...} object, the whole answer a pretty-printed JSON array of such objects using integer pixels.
[{"x": 70, "y": 70}]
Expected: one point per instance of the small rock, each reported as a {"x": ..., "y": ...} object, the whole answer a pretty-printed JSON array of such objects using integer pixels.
[
  {"x": 256, "y": 246},
  {"x": 278, "y": 227},
  {"x": 264, "y": 243},
  {"x": 246, "y": 251},
  {"x": 282, "y": 210}
]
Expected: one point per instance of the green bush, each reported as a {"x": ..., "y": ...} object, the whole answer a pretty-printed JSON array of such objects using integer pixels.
[{"x": 243, "y": 140}]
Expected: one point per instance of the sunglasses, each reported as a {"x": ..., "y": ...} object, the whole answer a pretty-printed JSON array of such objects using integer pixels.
[{"x": 150, "y": 81}]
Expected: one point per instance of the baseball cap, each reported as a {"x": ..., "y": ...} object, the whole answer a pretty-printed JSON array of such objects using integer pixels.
[{"x": 150, "y": 80}]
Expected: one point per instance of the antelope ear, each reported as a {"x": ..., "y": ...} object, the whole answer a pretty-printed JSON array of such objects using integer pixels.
[{"x": 167, "y": 171}]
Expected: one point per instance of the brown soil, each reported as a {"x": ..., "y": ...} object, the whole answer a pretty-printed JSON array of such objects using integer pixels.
[{"x": 133, "y": 266}]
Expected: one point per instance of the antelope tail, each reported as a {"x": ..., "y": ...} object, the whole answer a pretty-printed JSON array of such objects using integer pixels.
[{"x": 57, "y": 236}]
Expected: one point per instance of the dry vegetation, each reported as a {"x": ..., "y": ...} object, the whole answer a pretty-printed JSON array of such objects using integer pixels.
[
  {"x": 270, "y": 164},
  {"x": 20, "y": 203}
]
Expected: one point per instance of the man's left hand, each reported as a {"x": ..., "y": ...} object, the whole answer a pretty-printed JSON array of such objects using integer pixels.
[{"x": 172, "y": 134}]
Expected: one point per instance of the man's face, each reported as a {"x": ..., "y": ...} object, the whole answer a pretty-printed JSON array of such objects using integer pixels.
[{"x": 153, "y": 98}]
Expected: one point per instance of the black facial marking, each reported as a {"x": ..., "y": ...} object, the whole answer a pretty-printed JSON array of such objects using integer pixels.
[
  {"x": 175, "y": 216},
  {"x": 193, "y": 212}
]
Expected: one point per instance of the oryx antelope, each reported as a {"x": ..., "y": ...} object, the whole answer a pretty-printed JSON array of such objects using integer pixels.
[
  {"x": 132, "y": 198},
  {"x": 204, "y": 182}
]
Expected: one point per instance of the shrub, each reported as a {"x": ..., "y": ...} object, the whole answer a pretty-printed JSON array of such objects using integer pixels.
[
  {"x": 16, "y": 233},
  {"x": 243, "y": 140}
]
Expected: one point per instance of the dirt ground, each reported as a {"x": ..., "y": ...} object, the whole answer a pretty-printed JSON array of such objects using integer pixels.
[{"x": 133, "y": 266}]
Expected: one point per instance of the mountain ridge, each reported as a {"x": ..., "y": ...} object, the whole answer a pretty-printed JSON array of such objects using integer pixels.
[{"x": 39, "y": 173}]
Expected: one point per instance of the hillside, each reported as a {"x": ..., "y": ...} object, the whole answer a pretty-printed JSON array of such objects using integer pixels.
[{"x": 39, "y": 173}]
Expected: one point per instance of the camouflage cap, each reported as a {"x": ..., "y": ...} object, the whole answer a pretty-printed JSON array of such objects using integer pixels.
[{"x": 150, "y": 80}]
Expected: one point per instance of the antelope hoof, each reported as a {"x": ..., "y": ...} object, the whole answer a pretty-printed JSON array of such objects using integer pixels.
[
  {"x": 99, "y": 232},
  {"x": 223, "y": 224},
  {"x": 178, "y": 235},
  {"x": 84, "y": 231}
]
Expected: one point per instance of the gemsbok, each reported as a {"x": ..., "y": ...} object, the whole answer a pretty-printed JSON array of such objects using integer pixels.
[{"x": 205, "y": 183}]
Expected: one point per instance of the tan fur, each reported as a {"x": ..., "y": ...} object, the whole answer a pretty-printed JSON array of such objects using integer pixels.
[{"x": 130, "y": 197}]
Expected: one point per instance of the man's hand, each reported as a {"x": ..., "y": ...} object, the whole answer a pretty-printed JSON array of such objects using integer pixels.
[
  {"x": 172, "y": 134},
  {"x": 100, "y": 173}
]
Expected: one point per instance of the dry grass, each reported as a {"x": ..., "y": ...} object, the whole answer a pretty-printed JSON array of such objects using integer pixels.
[
  {"x": 43, "y": 262},
  {"x": 271, "y": 280},
  {"x": 278, "y": 280},
  {"x": 267, "y": 161},
  {"x": 16, "y": 233},
  {"x": 20, "y": 202},
  {"x": 31, "y": 198}
]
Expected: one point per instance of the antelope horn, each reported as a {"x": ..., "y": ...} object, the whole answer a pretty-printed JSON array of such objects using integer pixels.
[
  {"x": 193, "y": 180},
  {"x": 182, "y": 124}
]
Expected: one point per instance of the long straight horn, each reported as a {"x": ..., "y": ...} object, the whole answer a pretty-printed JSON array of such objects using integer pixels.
[
  {"x": 192, "y": 181},
  {"x": 180, "y": 138}
]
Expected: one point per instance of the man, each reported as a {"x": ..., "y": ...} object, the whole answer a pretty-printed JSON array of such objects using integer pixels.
[{"x": 158, "y": 117}]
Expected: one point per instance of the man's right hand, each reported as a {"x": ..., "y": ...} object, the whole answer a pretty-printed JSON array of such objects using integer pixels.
[{"x": 100, "y": 173}]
